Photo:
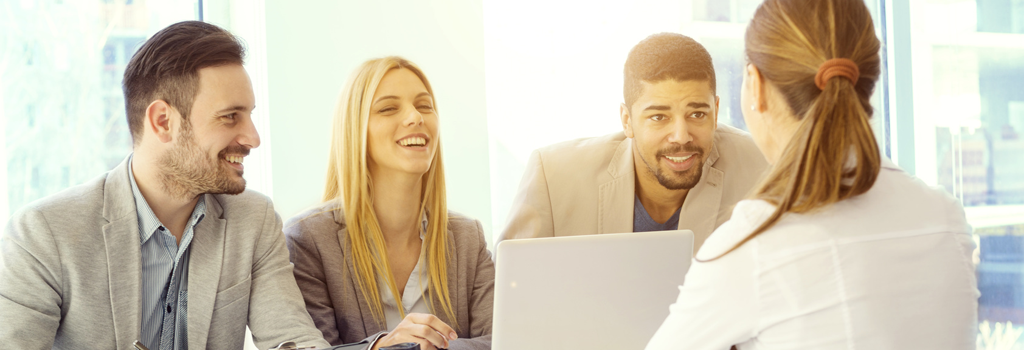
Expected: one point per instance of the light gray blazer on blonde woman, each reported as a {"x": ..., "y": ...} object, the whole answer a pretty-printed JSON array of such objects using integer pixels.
[
  {"x": 320, "y": 250},
  {"x": 71, "y": 265}
]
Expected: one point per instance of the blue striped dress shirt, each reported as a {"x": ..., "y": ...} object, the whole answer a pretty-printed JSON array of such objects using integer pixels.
[{"x": 164, "y": 276}]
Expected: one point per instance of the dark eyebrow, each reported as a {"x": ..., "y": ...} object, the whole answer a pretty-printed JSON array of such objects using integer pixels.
[
  {"x": 698, "y": 105},
  {"x": 657, "y": 108},
  {"x": 234, "y": 109}
]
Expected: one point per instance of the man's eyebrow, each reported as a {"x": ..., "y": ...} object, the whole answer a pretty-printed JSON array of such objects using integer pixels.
[
  {"x": 238, "y": 108},
  {"x": 657, "y": 108},
  {"x": 698, "y": 105}
]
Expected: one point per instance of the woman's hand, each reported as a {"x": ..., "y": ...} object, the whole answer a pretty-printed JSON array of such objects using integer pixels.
[{"x": 424, "y": 329}]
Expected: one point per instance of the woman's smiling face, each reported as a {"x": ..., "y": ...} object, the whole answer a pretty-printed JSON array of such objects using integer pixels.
[{"x": 402, "y": 127}]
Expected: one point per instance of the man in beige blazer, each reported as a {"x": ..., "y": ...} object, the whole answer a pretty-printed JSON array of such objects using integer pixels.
[
  {"x": 168, "y": 248},
  {"x": 672, "y": 166}
]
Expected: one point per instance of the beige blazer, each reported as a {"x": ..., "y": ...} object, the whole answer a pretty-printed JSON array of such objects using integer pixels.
[
  {"x": 71, "y": 269},
  {"x": 586, "y": 186},
  {"x": 319, "y": 246}
]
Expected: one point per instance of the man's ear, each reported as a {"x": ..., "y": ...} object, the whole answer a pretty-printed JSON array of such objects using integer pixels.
[
  {"x": 158, "y": 120},
  {"x": 717, "y": 108},
  {"x": 624, "y": 118}
]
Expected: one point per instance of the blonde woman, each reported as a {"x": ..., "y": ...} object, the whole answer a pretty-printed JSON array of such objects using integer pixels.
[
  {"x": 382, "y": 260},
  {"x": 838, "y": 248}
]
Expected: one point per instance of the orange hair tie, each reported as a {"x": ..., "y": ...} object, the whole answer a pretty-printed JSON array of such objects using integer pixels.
[{"x": 836, "y": 67}]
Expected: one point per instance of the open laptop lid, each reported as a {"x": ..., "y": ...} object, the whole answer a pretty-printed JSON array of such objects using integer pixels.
[{"x": 608, "y": 291}]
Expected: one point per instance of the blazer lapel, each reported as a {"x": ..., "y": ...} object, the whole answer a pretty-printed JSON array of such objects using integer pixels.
[
  {"x": 205, "y": 259},
  {"x": 455, "y": 293},
  {"x": 124, "y": 255},
  {"x": 124, "y": 274},
  {"x": 701, "y": 207},
  {"x": 615, "y": 195},
  {"x": 370, "y": 325}
]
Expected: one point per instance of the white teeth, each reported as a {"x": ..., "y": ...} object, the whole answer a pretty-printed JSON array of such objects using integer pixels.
[
  {"x": 235, "y": 159},
  {"x": 679, "y": 159},
  {"x": 413, "y": 141}
]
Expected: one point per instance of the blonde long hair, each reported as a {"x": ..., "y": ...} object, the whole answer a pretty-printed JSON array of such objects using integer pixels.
[
  {"x": 349, "y": 186},
  {"x": 788, "y": 40}
]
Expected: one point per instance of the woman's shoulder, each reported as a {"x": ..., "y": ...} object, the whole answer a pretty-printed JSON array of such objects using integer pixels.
[
  {"x": 465, "y": 229},
  {"x": 324, "y": 217},
  {"x": 747, "y": 215},
  {"x": 461, "y": 220}
]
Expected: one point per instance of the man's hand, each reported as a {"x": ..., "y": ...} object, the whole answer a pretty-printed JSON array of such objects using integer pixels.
[{"x": 424, "y": 329}]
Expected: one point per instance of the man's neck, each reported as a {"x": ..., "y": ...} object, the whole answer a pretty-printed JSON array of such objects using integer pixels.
[
  {"x": 659, "y": 202},
  {"x": 172, "y": 211}
]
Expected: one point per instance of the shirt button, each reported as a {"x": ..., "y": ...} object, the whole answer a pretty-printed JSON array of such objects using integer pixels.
[{"x": 168, "y": 308}]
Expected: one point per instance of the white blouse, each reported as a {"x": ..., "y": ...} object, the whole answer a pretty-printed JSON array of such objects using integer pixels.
[
  {"x": 889, "y": 269},
  {"x": 412, "y": 296}
]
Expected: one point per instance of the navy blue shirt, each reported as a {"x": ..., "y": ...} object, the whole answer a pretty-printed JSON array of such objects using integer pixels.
[{"x": 642, "y": 221}]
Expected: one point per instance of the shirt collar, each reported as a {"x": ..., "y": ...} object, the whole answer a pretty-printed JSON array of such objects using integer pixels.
[{"x": 148, "y": 222}]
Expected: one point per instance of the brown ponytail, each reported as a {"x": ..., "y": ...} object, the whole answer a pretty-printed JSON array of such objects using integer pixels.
[{"x": 833, "y": 155}]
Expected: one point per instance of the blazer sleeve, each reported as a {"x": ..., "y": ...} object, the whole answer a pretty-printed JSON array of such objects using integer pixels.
[
  {"x": 531, "y": 215},
  {"x": 30, "y": 283},
  {"x": 312, "y": 281},
  {"x": 275, "y": 303},
  {"x": 481, "y": 301}
]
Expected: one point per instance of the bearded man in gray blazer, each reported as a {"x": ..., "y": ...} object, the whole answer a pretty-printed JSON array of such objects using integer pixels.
[
  {"x": 168, "y": 248},
  {"x": 672, "y": 167}
]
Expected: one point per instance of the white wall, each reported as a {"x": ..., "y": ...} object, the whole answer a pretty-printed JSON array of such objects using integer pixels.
[
  {"x": 313, "y": 46},
  {"x": 554, "y": 73}
]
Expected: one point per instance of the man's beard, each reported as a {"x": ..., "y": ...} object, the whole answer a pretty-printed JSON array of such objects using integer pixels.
[
  {"x": 186, "y": 171},
  {"x": 678, "y": 180}
]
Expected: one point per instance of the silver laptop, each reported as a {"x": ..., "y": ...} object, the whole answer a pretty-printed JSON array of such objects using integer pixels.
[{"x": 608, "y": 291}]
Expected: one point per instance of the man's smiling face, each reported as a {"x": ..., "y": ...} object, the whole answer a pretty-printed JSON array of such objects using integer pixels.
[
  {"x": 672, "y": 125},
  {"x": 212, "y": 144}
]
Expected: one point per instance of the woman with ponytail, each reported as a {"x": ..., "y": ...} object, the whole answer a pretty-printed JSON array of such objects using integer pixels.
[
  {"x": 382, "y": 260},
  {"x": 837, "y": 248}
]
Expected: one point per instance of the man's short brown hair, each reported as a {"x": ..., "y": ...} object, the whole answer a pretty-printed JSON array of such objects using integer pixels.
[
  {"x": 665, "y": 56},
  {"x": 167, "y": 66}
]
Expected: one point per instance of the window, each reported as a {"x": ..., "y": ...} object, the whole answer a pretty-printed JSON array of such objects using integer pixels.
[
  {"x": 60, "y": 90},
  {"x": 968, "y": 137}
]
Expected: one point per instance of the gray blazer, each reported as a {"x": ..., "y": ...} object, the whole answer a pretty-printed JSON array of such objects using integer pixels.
[
  {"x": 319, "y": 247},
  {"x": 70, "y": 272}
]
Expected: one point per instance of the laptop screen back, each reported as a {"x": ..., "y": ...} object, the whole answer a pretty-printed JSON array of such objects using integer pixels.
[{"x": 609, "y": 291}]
